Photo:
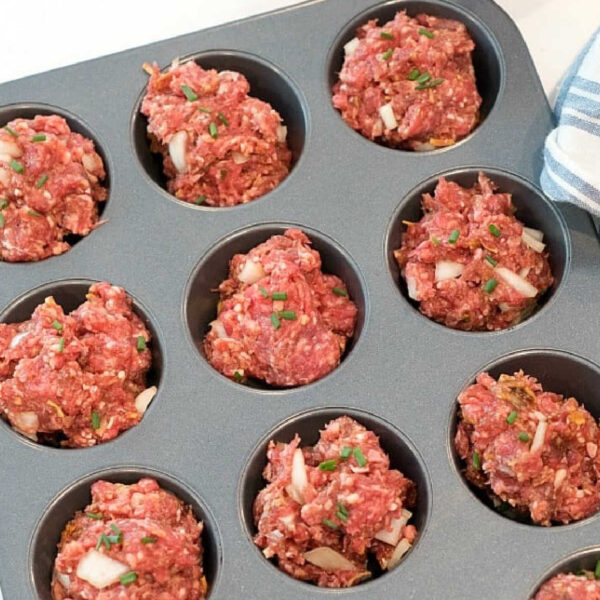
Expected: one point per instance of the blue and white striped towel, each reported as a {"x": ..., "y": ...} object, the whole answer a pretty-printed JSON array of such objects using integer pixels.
[{"x": 572, "y": 151}]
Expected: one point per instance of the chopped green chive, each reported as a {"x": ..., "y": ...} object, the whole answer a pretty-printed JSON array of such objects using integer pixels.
[
  {"x": 423, "y": 78},
  {"x": 346, "y": 452},
  {"x": 288, "y": 315},
  {"x": 275, "y": 320},
  {"x": 95, "y": 420},
  {"x": 490, "y": 260},
  {"x": 341, "y": 516},
  {"x": 61, "y": 345},
  {"x": 435, "y": 241},
  {"x": 223, "y": 119},
  {"x": 597, "y": 570},
  {"x": 279, "y": 295},
  {"x": 128, "y": 578},
  {"x": 413, "y": 74},
  {"x": 342, "y": 509},
  {"x": 141, "y": 343},
  {"x": 117, "y": 532},
  {"x": 426, "y": 33},
  {"x": 3, "y": 203},
  {"x": 329, "y": 524},
  {"x": 387, "y": 36},
  {"x": 2, "y": 222},
  {"x": 204, "y": 110},
  {"x": 189, "y": 93},
  {"x": 150, "y": 539},
  {"x": 494, "y": 230},
  {"x": 328, "y": 465},
  {"x": 95, "y": 516},
  {"x": 17, "y": 166},
  {"x": 11, "y": 131},
  {"x": 523, "y": 436},
  {"x": 200, "y": 200},
  {"x": 359, "y": 457},
  {"x": 454, "y": 236},
  {"x": 387, "y": 54},
  {"x": 103, "y": 539},
  {"x": 338, "y": 291},
  {"x": 264, "y": 292},
  {"x": 490, "y": 285},
  {"x": 41, "y": 181},
  {"x": 429, "y": 84},
  {"x": 34, "y": 213},
  {"x": 212, "y": 129},
  {"x": 57, "y": 325},
  {"x": 512, "y": 417},
  {"x": 39, "y": 137},
  {"x": 238, "y": 376},
  {"x": 476, "y": 461}
]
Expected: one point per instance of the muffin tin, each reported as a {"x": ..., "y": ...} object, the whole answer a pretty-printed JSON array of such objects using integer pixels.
[{"x": 204, "y": 436}]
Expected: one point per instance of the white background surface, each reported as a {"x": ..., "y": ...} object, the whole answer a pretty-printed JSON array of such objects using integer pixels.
[{"x": 45, "y": 34}]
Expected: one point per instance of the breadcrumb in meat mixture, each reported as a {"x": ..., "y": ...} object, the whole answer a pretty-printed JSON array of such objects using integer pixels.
[
  {"x": 50, "y": 187},
  {"x": 327, "y": 508},
  {"x": 280, "y": 319},
  {"x": 75, "y": 378},
  {"x": 409, "y": 83},
  {"x": 220, "y": 145},
  {"x": 469, "y": 262},
  {"x": 532, "y": 449},
  {"x": 132, "y": 542}
]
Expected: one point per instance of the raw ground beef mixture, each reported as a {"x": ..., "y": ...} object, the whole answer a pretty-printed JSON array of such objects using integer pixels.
[
  {"x": 76, "y": 379},
  {"x": 280, "y": 319},
  {"x": 220, "y": 146},
  {"x": 49, "y": 187},
  {"x": 330, "y": 507},
  {"x": 469, "y": 262},
  {"x": 132, "y": 542},
  {"x": 410, "y": 83},
  {"x": 570, "y": 587},
  {"x": 529, "y": 448}
]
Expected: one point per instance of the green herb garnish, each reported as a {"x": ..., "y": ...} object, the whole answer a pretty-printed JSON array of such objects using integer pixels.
[
  {"x": 426, "y": 33},
  {"x": 141, "y": 343},
  {"x": 189, "y": 93},
  {"x": 359, "y": 457},
  {"x": 512, "y": 417},
  {"x": 279, "y": 295},
  {"x": 95, "y": 420},
  {"x": 328, "y": 465},
  {"x": 453, "y": 236},
  {"x": 212, "y": 129},
  {"x": 490, "y": 285},
  {"x": 338, "y": 291}
]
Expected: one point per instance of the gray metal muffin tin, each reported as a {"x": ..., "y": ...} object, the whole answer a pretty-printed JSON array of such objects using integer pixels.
[{"x": 204, "y": 436}]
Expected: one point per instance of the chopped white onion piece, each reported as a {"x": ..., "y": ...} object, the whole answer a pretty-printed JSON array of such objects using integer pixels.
[
  {"x": 592, "y": 449},
  {"x": 351, "y": 46},
  {"x": 219, "y": 329},
  {"x": 10, "y": 148},
  {"x": 504, "y": 307},
  {"x": 299, "y": 477},
  {"x": 17, "y": 339},
  {"x": 178, "y": 150},
  {"x": 559, "y": 477},
  {"x": 328, "y": 559},
  {"x": 411, "y": 284},
  {"x": 26, "y": 422},
  {"x": 524, "y": 271},
  {"x": 423, "y": 146},
  {"x": 100, "y": 570},
  {"x": 530, "y": 241},
  {"x": 538, "y": 438},
  {"x": 401, "y": 549},
  {"x": 251, "y": 272},
  {"x": 239, "y": 158},
  {"x": 63, "y": 579},
  {"x": 144, "y": 398},
  {"x": 387, "y": 116},
  {"x": 392, "y": 535},
  {"x": 518, "y": 283},
  {"x": 281, "y": 133},
  {"x": 446, "y": 269},
  {"x": 536, "y": 234}
]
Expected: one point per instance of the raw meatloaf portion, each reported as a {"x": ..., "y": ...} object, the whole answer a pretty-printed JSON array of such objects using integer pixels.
[
  {"x": 132, "y": 542},
  {"x": 410, "y": 83},
  {"x": 74, "y": 378},
  {"x": 49, "y": 187},
  {"x": 570, "y": 587},
  {"x": 220, "y": 146},
  {"x": 469, "y": 262},
  {"x": 532, "y": 449},
  {"x": 329, "y": 506},
  {"x": 280, "y": 319}
]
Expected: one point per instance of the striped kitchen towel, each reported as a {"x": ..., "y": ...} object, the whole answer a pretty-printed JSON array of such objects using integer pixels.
[{"x": 571, "y": 170}]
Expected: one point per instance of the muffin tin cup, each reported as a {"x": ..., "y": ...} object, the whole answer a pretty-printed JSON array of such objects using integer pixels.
[{"x": 402, "y": 373}]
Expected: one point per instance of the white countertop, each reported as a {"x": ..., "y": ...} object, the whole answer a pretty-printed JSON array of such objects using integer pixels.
[{"x": 555, "y": 30}]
